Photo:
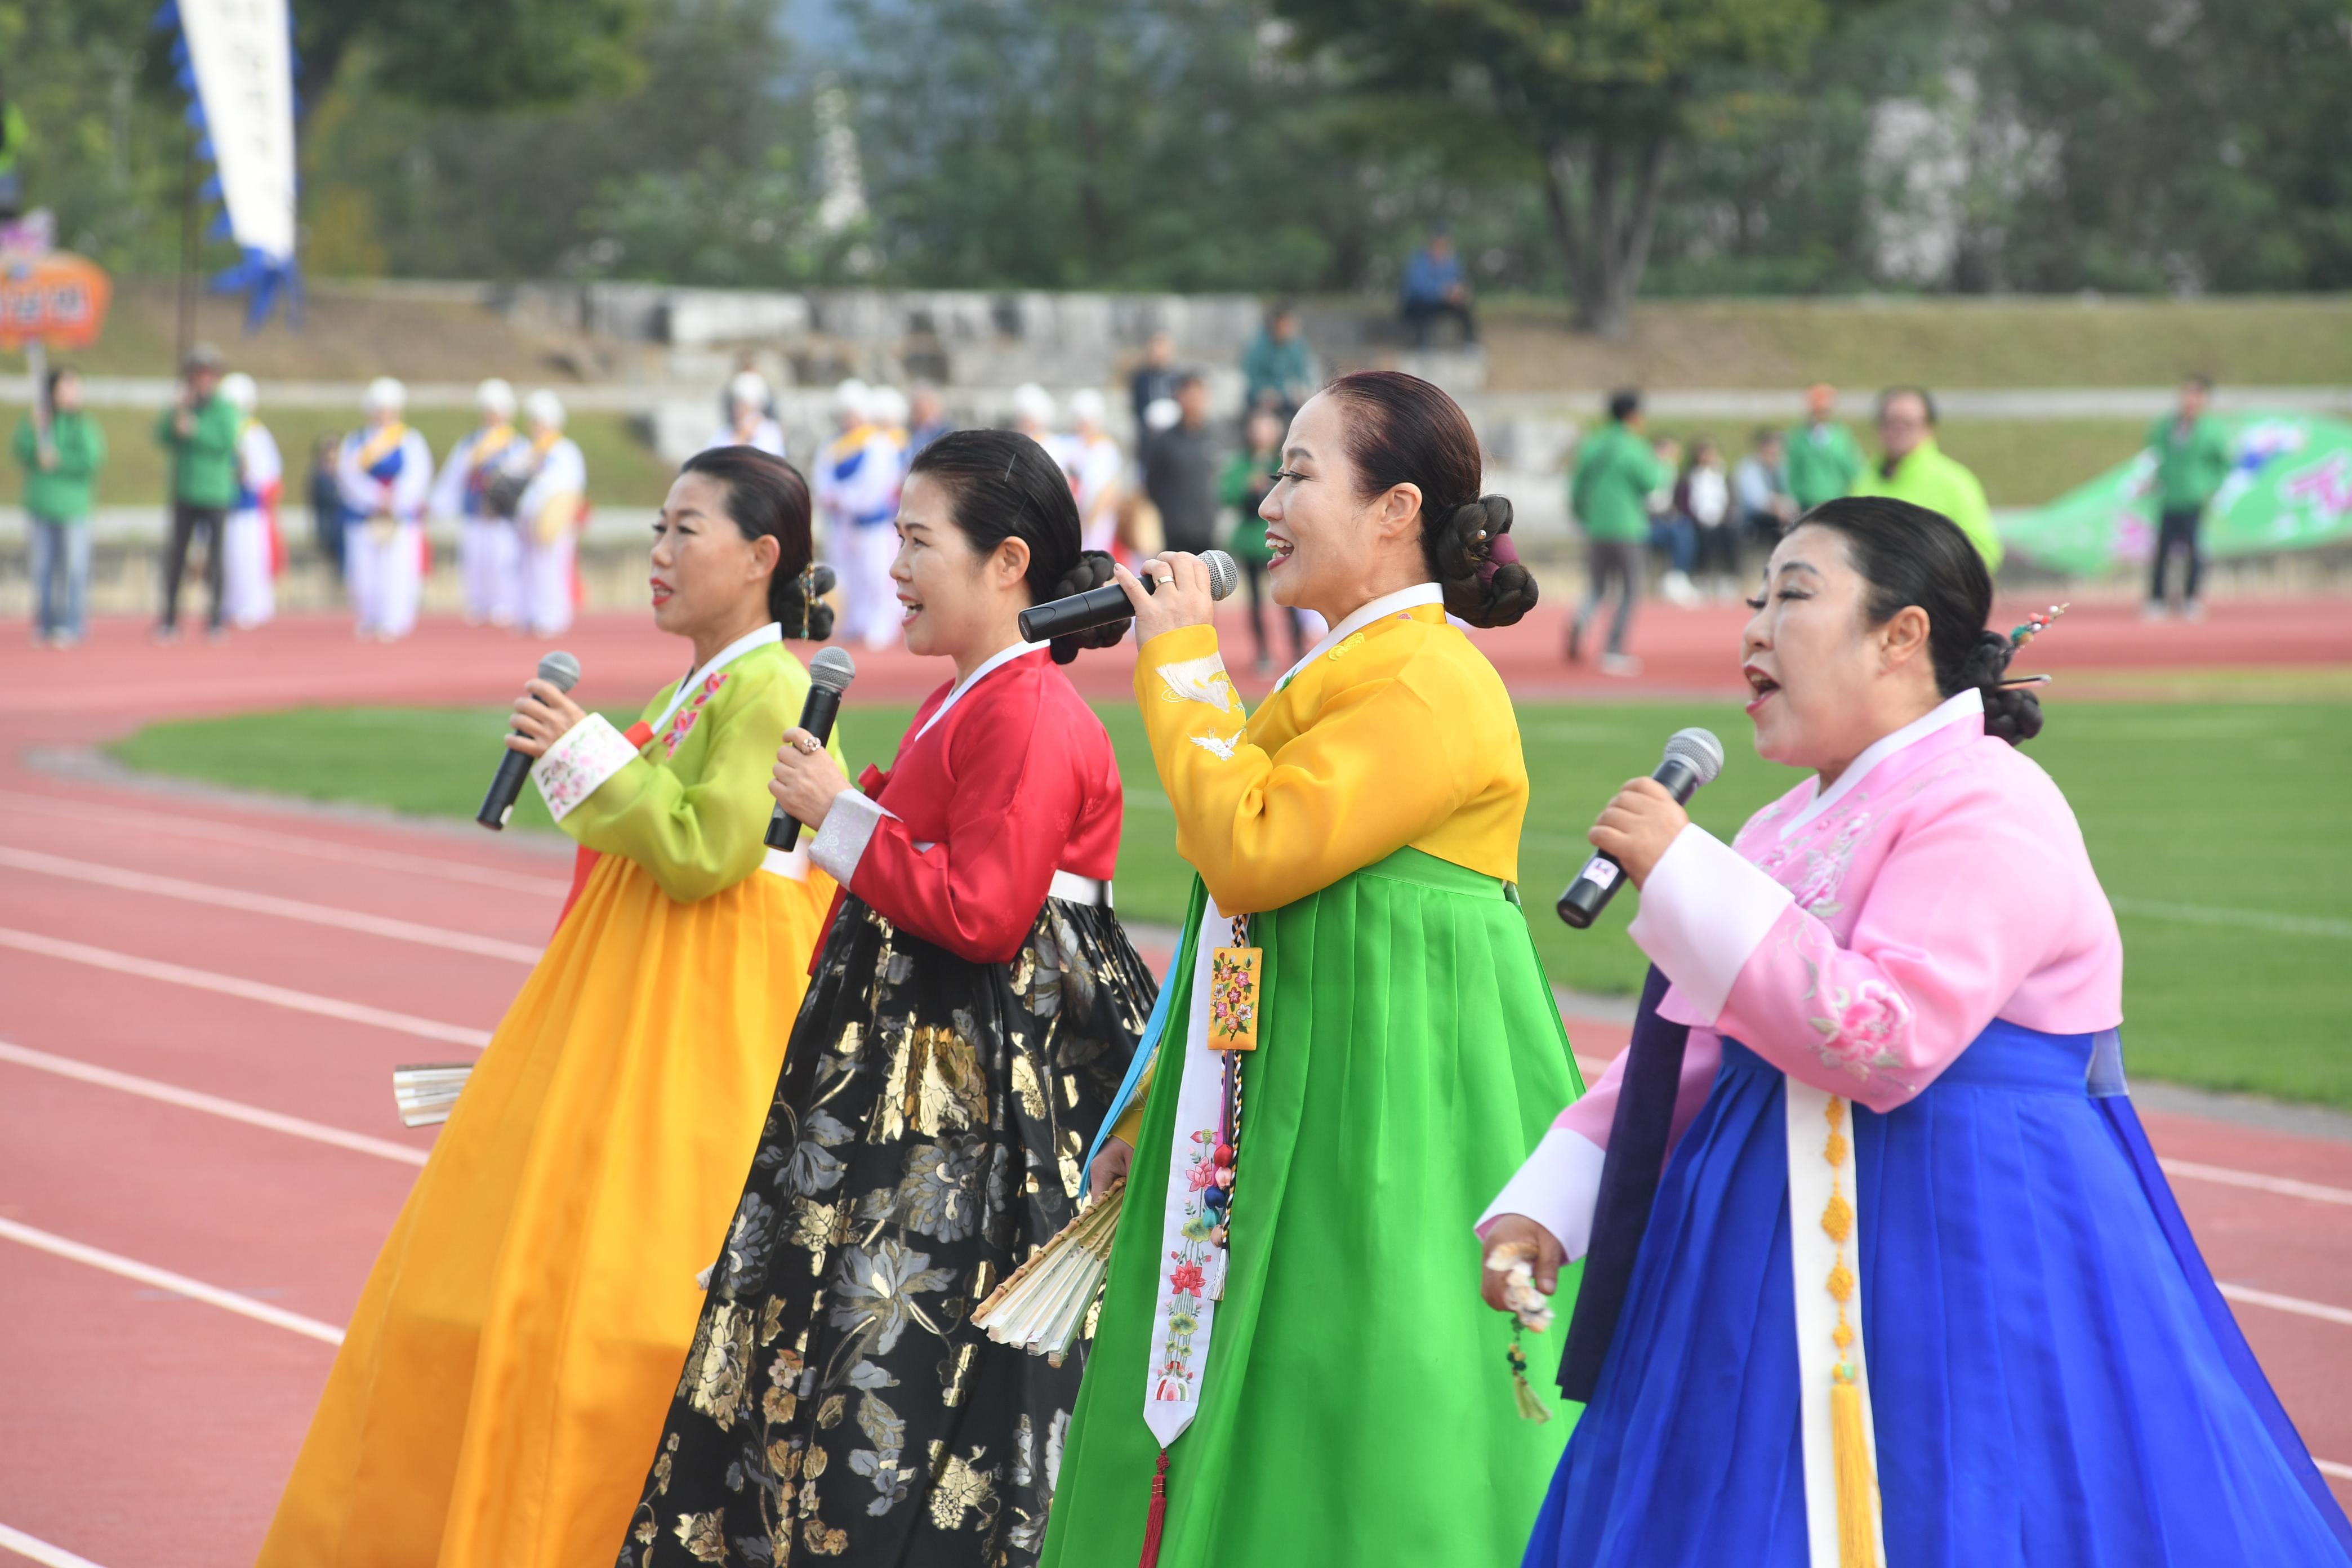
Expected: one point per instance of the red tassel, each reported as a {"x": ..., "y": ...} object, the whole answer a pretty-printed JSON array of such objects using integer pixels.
[{"x": 1157, "y": 1520}]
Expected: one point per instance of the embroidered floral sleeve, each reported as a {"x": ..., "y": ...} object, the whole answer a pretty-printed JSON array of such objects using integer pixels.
[
  {"x": 1959, "y": 914},
  {"x": 1375, "y": 771}
]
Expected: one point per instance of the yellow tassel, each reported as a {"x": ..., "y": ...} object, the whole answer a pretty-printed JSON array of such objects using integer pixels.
[{"x": 1857, "y": 1488}]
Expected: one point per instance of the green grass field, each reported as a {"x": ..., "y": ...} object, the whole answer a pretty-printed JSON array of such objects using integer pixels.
[{"x": 2235, "y": 901}]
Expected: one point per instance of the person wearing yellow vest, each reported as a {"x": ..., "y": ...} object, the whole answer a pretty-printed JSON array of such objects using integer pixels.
[
  {"x": 384, "y": 473},
  {"x": 512, "y": 1357},
  {"x": 490, "y": 551},
  {"x": 1914, "y": 468},
  {"x": 550, "y": 513}
]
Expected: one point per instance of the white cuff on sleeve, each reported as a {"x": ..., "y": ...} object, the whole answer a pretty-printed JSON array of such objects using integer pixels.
[
  {"x": 579, "y": 762},
  {"x": 1557, "y": 1188},
  {"x": 1704, "y": 910},
  {"x": 841, "y": 838}
]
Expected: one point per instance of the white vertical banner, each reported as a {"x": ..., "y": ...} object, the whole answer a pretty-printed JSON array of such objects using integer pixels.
[{"x": 241, "y": 56}]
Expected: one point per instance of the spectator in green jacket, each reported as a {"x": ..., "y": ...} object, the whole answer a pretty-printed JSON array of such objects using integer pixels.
[
  {"x": 1609, "y": 493},
  {"x": 14, "y": 136},
  {"x": 2192, "y": 459},
  {"x": 1248, "y": 478},
  {"x": 1823, "y": 462},
  {"x": 60, "y": 478},
  {"x": 1914, "y": 468},
  {"x": 1277, "y": 372},
  {"x": 200, "y": 430}
]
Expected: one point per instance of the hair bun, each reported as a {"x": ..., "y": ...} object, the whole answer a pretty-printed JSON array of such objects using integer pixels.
[
  {"x": 1092, "y": 571},
  {"x": 2012, "y": 713},
  {"x": 799, "y": 603},
  {"x": 1479, "y": 568}
]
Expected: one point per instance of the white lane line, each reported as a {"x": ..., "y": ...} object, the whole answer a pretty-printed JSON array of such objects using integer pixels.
[
  {"x": 250, "y": 990},
  {"x": 2259, "y": 920},
  {"x": 2330, "y": 1467},
  {"x": 165, "y": 1279},
  {"x": 290, "y": 843},
  {"x": 2285, "y": 1187},
  {"x": 2277, "y": 1303},
  {"x": 210, "y": 1104},
  {"x": 147, "y": 882},
  {"x": 39, "y": 1551}
]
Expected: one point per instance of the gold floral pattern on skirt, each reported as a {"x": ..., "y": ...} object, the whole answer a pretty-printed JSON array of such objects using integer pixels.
[{"x": 926, "y": 1138}]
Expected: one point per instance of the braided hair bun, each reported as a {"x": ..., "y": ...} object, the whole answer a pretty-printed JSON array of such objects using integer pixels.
[
  {"x": 1092, "y": 570},
  {"x": 798, "y": 603},
  {"x": 1478, "y": 566}
]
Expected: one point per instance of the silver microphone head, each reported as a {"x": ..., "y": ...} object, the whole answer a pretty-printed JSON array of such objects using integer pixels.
[
  {"x": 1699, "y": 751},
  {"x": 832, "y": 668},
  {"x": 1224, "y": 576},
  {"x": 560, "y": 669}
]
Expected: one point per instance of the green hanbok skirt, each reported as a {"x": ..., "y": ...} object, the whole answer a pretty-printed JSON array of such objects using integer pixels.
[{"x": 1356, "y": 1405}]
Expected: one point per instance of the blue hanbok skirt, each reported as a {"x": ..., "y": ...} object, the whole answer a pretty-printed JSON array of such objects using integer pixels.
[{"x": 2055, "y": 1378}]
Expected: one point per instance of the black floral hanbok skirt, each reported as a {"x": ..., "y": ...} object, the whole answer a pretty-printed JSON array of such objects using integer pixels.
[{"x": 928, "y": 1135}]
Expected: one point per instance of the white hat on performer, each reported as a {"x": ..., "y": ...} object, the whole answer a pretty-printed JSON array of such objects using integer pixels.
[
  {"x": 1032, "y": 404},
  {"x": 385, "y": 396},
  {"x": 494, "y": 398},
  {"x": 889, "y": 406},
  {"x": 747, "y": 390},
  {"x": 853, "y": 400},
  {"x": 1087, "y": 406},
  {"x": 239, "y": 388},
  {"x": 543, "y": 408}
]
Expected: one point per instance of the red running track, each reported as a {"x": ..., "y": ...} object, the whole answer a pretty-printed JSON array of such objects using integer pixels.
[{"x": 193, "y": 1090}]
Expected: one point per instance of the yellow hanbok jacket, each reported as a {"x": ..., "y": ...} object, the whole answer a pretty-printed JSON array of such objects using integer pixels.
[{"x": 503, "y": 1382}]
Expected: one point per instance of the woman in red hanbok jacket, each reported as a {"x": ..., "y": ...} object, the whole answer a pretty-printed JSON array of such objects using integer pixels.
[{"x": 973, "y": 1013}]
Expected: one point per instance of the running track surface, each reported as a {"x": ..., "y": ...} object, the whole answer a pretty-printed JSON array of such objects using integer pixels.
[{"x": 200, "y": 1005}]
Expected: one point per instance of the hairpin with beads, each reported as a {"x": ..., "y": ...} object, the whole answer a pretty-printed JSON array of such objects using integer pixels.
[
  {"x": 808, "y": 600},
  {"x": 2033, "y": 625}
]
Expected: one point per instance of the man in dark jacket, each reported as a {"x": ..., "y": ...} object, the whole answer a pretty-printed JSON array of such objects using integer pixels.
[{"x": 1180, "y": 470}]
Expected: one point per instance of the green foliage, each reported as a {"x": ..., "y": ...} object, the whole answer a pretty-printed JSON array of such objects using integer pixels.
[
  {"x": 2247, "y": 996},
  {"x": 468, "y": 55}
]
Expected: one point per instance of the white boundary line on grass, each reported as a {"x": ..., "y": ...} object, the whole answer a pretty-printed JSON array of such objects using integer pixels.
[
  {"x": 290, "y": 843},
  {"x": 249, "y": 990},
  {"x": 210, "y": 1104},
  {"x": 130, "y": 881},
  {"x": 2259, "y": 920},
  {"x": 165, "y": 1279},
  {"x": 33, "y": 1548}
]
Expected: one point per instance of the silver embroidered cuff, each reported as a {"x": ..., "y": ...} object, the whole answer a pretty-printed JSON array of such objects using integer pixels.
[
  {"x": 1704, "y": 910},
  {"x": 840, "y": 839},
  {"x": 579, "y": 762},
  {"x": 1557, "y": 1188}
]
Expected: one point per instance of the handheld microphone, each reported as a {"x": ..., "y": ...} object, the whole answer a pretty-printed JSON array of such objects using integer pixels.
[
  {"x": 1100, "y": 606},
  {"x": 830, "y": 673},
  {"x": 560, "y": 670},
  {"x": 1694, "y": 757}
]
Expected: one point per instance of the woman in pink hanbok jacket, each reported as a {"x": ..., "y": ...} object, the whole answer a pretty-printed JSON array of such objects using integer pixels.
[{"x": 1913, "y": 1290}]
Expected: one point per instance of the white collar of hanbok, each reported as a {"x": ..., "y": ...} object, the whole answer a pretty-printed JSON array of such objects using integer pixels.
[
  {"x": 1943, "y": 716},
  {"x": 770, "y": 632},
  {"x": 1364, "y": 616},
  {"x": 996, "y": 662}
]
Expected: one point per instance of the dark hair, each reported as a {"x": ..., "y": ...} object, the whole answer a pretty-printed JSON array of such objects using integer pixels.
[
  {"x": 57, "y": 373},
  {"x": 1187, "y": 378},
  {"x": 1623, "y": 405},
  {"x": 2199, "y": 380},
  {"x": 1004, "y": 486},
  {"x": 766, "y": 496},
  {"x": 1403, "y": 430},
  {"x": 1910, "y": 555},
  {"x": 1927, "y": 400}
]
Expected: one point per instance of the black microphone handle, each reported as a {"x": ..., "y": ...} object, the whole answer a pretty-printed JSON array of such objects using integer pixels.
[
  {"x": 822, "y": 707},
  {"x": 1079, "y": 612},
  {"x": 506, "y": 784},
  {"x": 1603, "y": 875}
]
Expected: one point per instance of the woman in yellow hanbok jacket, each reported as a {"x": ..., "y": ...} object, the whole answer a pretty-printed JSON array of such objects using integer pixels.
[{"x": 516, "y": 1347}]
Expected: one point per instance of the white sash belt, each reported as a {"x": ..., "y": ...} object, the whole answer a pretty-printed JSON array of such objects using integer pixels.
[
  {"x": 1071, "y": 888},
  {"x": 792, "y": 863}
]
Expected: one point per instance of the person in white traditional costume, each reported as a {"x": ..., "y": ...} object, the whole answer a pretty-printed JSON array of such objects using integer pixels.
[
  {"x": 489, "y": 549},
  {"x": 1096, "y": 467},
  {"x": 856, "y": 484},
  {"x": 255, "y": 550},
  {"x": 1033, "y": 413},
  {"x": 384, "y": 473},
  {"x": 549, "y": 513},
  {"x": 749, "y": 423}
]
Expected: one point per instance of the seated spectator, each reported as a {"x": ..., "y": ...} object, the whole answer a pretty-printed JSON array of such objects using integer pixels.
[
  {"x": 1435, "y": 286},
  {"x": 1277, "y": 371},
  {"x": 1672, "y": 532},
  {"x": 1760, "y": 488}
]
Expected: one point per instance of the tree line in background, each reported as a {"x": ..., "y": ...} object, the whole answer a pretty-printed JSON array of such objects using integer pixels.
[{"x": 1664, "y": 146}]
